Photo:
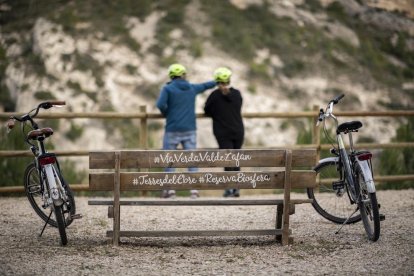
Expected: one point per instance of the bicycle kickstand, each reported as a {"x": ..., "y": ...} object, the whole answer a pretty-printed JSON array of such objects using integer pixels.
[
  {"x": 337, "y": 231},
  {"x": 41, "y": 233}
]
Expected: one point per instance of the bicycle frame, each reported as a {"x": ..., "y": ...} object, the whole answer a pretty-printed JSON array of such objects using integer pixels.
[{"x": 343, "y": 158}]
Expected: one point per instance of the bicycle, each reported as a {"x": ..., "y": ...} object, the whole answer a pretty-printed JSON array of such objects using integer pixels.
[
  {"x": 346, "y": 180},
  {"x": 44, "y": 184}
]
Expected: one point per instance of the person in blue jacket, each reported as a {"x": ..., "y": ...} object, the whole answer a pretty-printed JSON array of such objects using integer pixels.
[{"x": 177, "y": 104}]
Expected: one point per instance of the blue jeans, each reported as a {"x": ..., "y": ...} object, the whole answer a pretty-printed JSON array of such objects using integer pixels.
[{"x": 188, "y": 139}]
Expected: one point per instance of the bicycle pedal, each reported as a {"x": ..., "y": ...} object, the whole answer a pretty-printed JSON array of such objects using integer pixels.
[
  {"x": 382, "y": 217},
  {"x": 336, "y": 185},
  {"x": 76, "y": 216}
]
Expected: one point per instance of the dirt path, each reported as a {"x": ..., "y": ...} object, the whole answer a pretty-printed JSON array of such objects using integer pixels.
[{"x": 316, "y": 249}]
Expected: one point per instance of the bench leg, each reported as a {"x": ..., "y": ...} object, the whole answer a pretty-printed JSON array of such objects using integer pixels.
[
  {"x": 279, "y": 214},
  {"x": 117, "y": 225},
  {"x": 285, "y": 227},
  {"x": 117, "y": 207},
  {"x": 286, "y": 198}
]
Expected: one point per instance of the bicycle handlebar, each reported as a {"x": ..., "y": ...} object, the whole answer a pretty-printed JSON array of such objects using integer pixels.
[
  {"x": 55, "y": 103},
  {"x": 49, "y": 104},
  {"x": 328, "y": 111},
  {"x": 28, "y": 117},
  {"x": 337, "y": 99}
]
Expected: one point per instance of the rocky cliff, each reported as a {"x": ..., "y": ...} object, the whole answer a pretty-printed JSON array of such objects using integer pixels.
[{"x": 286, "y": 56}]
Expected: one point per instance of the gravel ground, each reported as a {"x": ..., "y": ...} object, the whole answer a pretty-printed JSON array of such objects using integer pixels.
[{"x": 316, "y": 249}]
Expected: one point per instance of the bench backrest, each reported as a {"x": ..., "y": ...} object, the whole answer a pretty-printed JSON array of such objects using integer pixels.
[{"x": 143, "y": 170}]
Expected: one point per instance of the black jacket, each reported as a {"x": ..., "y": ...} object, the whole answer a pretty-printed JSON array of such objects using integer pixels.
[{"x": 225, "y": 110}]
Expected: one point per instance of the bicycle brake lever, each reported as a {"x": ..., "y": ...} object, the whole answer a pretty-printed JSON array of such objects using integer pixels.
[
  {"x": 10, "y": 125},
  {"x": 320, "y": 118}
]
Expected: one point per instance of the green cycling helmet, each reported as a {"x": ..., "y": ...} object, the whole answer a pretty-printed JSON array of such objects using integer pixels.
[
  {"x": 222, "y": 74},
  {"x": 176, "y": 70}
]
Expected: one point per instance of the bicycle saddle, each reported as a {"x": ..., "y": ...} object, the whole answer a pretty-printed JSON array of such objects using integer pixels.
[
  {"x": 42, "y": 132},
  {"x": 349, "y": 126}
]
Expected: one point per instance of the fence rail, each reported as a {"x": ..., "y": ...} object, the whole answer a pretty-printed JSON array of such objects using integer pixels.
[
  {"x": 144, "y": 116},
  {"x": 251, "y": 115},
  {"x": 27, "y": 153}
]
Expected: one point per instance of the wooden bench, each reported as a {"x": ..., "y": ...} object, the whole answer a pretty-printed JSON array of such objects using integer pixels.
[{"x": 133, "y": 170}]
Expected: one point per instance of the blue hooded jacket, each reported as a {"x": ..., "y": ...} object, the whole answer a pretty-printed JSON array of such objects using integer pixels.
[{"x": 177, "y": 103}]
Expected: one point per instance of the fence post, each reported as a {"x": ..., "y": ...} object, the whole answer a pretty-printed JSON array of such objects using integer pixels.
[
  {"x": 143, "y": 137},
  {"x": 316, "y": 134},
  {"x": 143, "y": 131}
]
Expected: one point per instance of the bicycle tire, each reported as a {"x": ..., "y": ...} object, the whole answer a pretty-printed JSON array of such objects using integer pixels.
[
  {"x": 32, "y": 187},
  {"x": 368, "y": 206},
  {"x": 61, "y": 224},
  {"x": 325, "y": 200}
]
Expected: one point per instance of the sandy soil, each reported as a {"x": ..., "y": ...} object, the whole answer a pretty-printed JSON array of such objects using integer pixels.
[{"x": 316, "y": 250}]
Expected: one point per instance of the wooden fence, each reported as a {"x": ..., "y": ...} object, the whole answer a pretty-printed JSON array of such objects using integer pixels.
[{"x": 144, "y": 116}]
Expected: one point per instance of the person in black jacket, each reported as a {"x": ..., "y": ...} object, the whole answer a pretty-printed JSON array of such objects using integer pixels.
[{"x": 224, "y": 107}]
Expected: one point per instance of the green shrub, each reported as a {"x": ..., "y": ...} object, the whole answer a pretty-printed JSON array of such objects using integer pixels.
[
  {"x": 77, "y": 90},
  {"x": 12, "y": 168},
  {"x": 75, "y": 132},
  {"x": 375, "y": 45},
  {"x": 365, "y": 139},
  {"x": 293, "y": 68},
  {"x": 131, "y": 69},
  {"x": 150, "y": 91},
  {"x": 196, "y": 48},
  {"x": 35, "y": 63},
  {"x": 5, "y": 98},
  {"x": 85, "y": 62},
  {"x": 71, "y": 174},
  {"x": 252, "y": 88},
  {"x": 259, "y": 71},
  {"x": 399, "y": 161},
  {"x": 44, "y": 95}
]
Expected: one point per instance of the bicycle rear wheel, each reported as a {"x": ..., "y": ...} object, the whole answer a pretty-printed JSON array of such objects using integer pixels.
[
  {"x": 33, "y": 189},
  {"x": 368, "y": 206},
  {"x": 327, "y": 202},
  {"x": 60, "y": 220}
]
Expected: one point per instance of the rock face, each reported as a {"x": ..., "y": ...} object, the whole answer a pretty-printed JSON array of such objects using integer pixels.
[{"x": 94, "y": 73}]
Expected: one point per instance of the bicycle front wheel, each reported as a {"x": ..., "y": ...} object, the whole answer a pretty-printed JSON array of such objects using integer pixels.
[
  {"x": 333, "y": 205},
  {"x": 33, "y": 190},
  {"x": 368, "y": 206}
]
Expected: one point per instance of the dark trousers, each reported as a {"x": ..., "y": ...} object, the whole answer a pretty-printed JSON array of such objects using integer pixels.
[{"x": 226, "y": 143}]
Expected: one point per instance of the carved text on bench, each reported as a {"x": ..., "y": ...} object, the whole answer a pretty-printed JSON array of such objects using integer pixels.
[
  {"x": 208, "y": 178},
  {"x": 202, "y": 157}
]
